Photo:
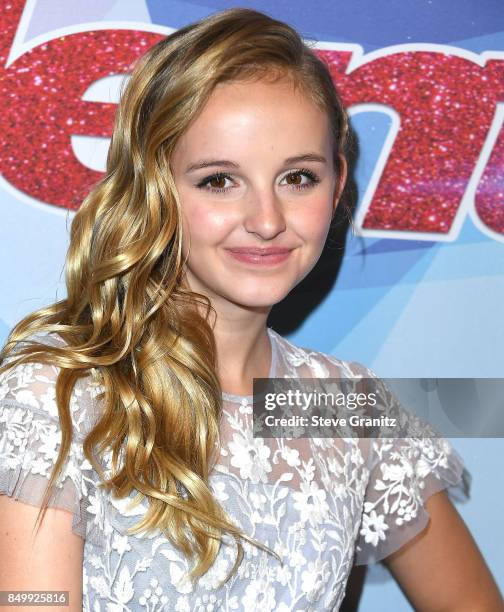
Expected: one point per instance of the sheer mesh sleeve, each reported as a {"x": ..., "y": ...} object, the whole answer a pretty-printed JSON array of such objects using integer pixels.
[
  {"x": 404, "y": 473},
  {"x": 30, "y": 437}
]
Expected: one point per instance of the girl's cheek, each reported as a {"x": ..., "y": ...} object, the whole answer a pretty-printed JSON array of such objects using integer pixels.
[{"x": 314, "y": 219}]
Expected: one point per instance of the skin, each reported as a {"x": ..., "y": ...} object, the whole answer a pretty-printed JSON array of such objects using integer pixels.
[
  {"x": 442, "y": 568},
  {"x": 51, "y": 561},
  {"x": 257, "y": 127}
]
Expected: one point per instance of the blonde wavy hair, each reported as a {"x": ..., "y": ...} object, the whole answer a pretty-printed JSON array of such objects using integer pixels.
[{"x": 129, "y": 314}]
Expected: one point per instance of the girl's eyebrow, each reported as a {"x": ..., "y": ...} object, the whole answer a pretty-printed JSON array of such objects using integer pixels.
[{"x": 205, "y": 163}]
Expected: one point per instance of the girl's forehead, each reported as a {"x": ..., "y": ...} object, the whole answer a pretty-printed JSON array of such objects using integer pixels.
[
  {"x": 243, "y": 118},
  {"x": 239, "y": 107},
  {"x": 263, "y": 87}
]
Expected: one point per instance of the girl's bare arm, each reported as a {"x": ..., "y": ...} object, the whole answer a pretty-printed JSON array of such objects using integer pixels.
[
  {"x": 442, "y": 569},
  {"x": 52, "y": 561}
]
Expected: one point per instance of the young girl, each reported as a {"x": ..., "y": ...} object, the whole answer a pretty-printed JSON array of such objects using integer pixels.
[{"x": 128, "y": 404}]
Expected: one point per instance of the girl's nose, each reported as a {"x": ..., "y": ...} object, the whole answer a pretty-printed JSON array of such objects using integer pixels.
[{"x": 264, "y": 214}]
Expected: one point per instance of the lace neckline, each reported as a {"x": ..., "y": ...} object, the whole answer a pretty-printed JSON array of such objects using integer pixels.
[{"x": 230, "y": 397}]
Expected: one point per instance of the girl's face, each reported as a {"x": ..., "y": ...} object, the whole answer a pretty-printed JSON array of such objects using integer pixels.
[{"x": 255, "y": 171}]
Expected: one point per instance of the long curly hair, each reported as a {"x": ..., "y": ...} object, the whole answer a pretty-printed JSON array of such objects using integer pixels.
[{"x": 129, "y": 315}]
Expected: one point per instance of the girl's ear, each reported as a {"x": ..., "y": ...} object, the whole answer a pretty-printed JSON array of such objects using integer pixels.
[{"x": 340, "y": 182}]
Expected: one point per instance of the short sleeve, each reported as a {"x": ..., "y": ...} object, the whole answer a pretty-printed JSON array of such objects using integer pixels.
[
  {"x": 30, "y": 438},
  {"x": 403, "y": 473}
]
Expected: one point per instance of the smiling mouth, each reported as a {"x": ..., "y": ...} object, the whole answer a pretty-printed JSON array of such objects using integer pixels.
[{"x": 258, "y": 256}]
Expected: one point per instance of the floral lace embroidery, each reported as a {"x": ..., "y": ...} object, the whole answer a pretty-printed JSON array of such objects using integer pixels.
[{"x": 321, "y": 504}]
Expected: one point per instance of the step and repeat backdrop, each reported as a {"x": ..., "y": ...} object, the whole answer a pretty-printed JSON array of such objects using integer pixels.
[{"x": 420, "y": 288}]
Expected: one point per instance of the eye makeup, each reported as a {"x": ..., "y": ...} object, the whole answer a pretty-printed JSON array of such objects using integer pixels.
[{"x": 223, "y": 176}]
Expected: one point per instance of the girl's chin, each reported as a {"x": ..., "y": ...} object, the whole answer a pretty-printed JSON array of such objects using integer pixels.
[
  {"x": 245, "y": 291},
  {"x": 258, "y": 300}
]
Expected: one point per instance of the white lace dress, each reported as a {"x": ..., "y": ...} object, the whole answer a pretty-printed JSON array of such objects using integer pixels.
[{"x": 323, "y": 504}]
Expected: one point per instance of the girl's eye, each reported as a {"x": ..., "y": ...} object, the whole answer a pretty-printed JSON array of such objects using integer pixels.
[
  {"x": 216, "y": 182},
  {"x": 298, "y": 176}
]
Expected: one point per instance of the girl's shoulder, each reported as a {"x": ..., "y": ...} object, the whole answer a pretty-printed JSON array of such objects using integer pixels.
[
  {"x": 31, "y": 436},
  {"x": 31, "y": 386},
  {"x": 403, "y": 471},
  {"x": 302, "y": 361}
]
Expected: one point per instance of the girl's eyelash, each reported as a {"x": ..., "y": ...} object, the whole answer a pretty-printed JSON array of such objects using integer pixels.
[
  {"x": 218, "y": 175},
  {"x": 311, "y": 175},
  {"x": 222, "y": 175}
]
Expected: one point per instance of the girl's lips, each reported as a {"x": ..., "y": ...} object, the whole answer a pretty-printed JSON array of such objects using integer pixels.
[{"x": 257, "y": 256}]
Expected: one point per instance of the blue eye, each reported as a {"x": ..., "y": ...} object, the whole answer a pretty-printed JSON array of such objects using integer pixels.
[{"x": 221, "y": 177}]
